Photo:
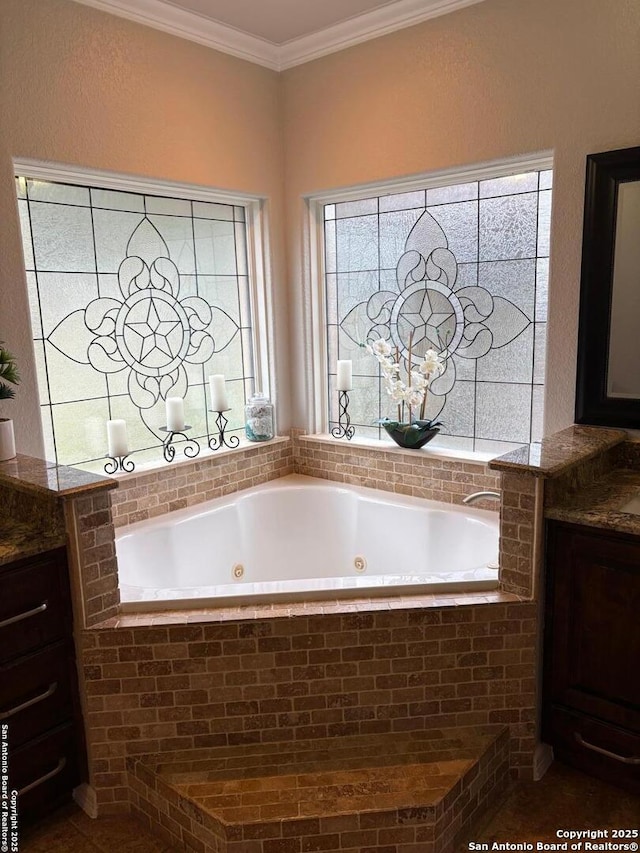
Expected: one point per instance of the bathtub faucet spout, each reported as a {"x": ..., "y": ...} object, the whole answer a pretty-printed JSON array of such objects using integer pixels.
[{"x": 479, "y": 496}]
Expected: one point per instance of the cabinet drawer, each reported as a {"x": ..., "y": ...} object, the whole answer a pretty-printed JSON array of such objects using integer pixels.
[
  {"x": 44, "y": 772},
  {"x": 34, "y": 605},
  {"x": 599, "y": 748},
  {"x": 36, "y": 693}
]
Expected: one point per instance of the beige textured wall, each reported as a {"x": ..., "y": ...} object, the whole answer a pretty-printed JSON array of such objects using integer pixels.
[
  {"x": 82, "y": 87},
  {"x": 498, "y": 79}
]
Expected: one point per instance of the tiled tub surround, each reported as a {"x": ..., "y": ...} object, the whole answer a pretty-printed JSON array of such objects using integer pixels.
[
  {"x": 301, "y": 538},
  {"x": 419, "y": 473},
  {"x": 412, "y": 791},
  {"x": 187, "y": 483},
  {"x": 159, "y": 690}
]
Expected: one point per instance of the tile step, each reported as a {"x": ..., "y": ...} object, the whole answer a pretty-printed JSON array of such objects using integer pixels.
[{"x": 409, "y": 792}]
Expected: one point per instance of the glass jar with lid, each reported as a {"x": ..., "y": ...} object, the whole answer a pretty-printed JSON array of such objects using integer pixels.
[{"x": 259, "y": 418}]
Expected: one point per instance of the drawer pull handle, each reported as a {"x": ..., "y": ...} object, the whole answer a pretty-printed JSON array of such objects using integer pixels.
[
  {"x": 13, "y": 619},
  {"x": 4, "y": 715},
  {"x": 57, "y": 769},
  {"x": 606, "y": 752}
]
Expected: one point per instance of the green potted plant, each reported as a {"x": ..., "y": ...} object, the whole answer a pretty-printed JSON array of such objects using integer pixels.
[{"x": 8, "y": 377}]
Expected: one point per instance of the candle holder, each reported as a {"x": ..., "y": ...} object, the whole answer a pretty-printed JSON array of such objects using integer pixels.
[
  {"x": 119, "y": 463},
  {"x": 344, "y": 428},
  {"x": 222, "y": 440},
  {"x": 191, "y": 448}
]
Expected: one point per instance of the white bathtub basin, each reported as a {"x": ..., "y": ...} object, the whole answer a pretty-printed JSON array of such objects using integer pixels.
[{"x": 299, "y": 538}]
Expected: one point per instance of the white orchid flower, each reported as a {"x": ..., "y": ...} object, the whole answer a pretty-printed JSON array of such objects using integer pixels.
[
  {"x": 432, "y": 363},
  {"x": 381, "y": 348}
]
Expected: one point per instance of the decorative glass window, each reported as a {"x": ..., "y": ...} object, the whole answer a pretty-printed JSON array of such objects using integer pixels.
[
  {"x": 134, "y": 297},
  {"x": 463, "y": 267}
]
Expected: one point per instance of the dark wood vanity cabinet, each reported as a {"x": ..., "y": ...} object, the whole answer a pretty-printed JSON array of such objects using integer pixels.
[
  {"x": 591, "y": 694},
  {"x": 39, "y": 707}
]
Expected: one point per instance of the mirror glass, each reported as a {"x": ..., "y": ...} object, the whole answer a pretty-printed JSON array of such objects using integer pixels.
[{"x": 623, "y": 370}]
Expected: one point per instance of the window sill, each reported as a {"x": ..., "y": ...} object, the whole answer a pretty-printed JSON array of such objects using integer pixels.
[
  {"x": 439, "y": 453},
  {"x": 205, "y": 455}
]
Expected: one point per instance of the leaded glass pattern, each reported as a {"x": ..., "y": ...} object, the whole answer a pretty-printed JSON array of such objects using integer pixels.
[
  {"x": 465, "y": 269},
  {"x": 133, "y": 298}
]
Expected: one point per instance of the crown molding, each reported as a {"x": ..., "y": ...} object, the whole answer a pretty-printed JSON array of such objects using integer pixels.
[
  {"x": 369, "y": 25},
  {"x": 165, "y": 16},
  {"x": 193, "y": 27}
]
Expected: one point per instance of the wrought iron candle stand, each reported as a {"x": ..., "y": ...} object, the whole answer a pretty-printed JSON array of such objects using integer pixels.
[
  {"x": 191, "y": 448},
  {"x": 344, "y": 428},
  {"x": 119, "y": 463},
  {"x": 221, "y": 426}
]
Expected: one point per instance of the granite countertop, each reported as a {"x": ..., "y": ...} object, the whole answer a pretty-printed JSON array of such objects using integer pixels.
[
  {"x": 599, "y": 504},
  {"x": 19, "y": 539},
  {"x": 29, "y": 474},
  {"x": 559, "y": 451}
]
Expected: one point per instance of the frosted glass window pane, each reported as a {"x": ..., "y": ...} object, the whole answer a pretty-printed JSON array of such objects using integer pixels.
[
  {"x": 177, "y": 233},
  {"x": 462, "y": 265},
  {"x": 239, "y": 214},
  {"x": 221, "y": 290},
  {"x": 542, "y": 289},
  {"x": 394, "y": 230},
  {"x": 356, "y": 208},
  {"x": 330, "y": 247},
  {"x": 114, "y": 200},
  {"x": 537, "y": 413},
  {"x": 147, "y": 324},
  {"x": 509, "y": 363},
  {"x": 63, "y": 293},
  {"x": 70, "y": 381},
  {"x": 329, "y": 211},
  {"x": 113, "y": 230},
  {"x": 62, "y": 237},
  {"x": 539, "y": 363},
  {"x": 172, "y": 206},
  {"x": 332, "y": 299},
  {"x": 21, "y": 187},
  {"x": 514, "y": 280},
  {"x": 457, "y": 192},
  {"x": 79, "y": 430},
  {"x": 458, "y": 412},
  {"x": 25, "y": 228},
  {"x": 508, "y": 227},
  {"x": 544, "y": 226},
  {"x": 460, "y": 223},
  {"x": 34, "y": 305},
  {"x": 207, "y": 210},
  {"x": 241, "y": 248},
  {"x": 510, "y": 185},
  {"x": 401, "y": 201},
  {"x": 59, "y": 193},
  {"x": 215, "y": 247},
  {"x": 503, "y": 411},
  {"x": 357, "y": 243}
]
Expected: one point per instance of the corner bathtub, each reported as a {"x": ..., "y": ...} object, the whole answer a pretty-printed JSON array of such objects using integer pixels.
[{"x": 301, "y": 538}]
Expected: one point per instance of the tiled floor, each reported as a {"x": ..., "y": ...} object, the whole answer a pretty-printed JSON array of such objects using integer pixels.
[
  {"x": 563, "y": 799},
  {"x": 70, "y": 831},
  {"x": 531, "y": 812}
]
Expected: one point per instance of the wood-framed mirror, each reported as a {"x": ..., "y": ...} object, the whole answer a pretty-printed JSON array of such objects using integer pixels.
[{"x": 608, "y": 376}]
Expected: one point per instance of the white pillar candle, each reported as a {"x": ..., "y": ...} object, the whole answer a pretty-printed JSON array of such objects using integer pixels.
[
  {"x": 218, "y": 393},
  {"x": 345, "y": 376},
  {"x": 117, "y": 438},
  {"x": 175, "y": 414}
]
